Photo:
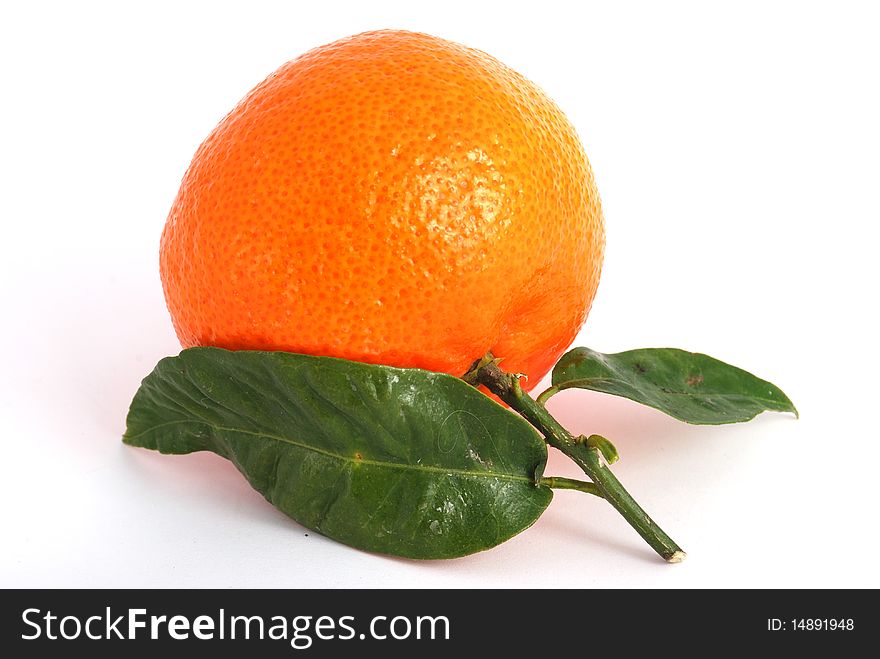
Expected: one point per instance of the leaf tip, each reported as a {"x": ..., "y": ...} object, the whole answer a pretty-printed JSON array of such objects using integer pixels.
[
  {"x": 130, "y": 439},
  {"x": 789, "y": 406}
]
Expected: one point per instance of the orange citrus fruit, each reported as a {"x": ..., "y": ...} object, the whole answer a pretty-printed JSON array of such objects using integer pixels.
[{"x": 390, "y": 198}]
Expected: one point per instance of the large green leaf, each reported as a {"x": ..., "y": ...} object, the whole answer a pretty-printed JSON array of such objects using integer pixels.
[
  {"x": 398, "y": 461},
  {"x": 686, "y": 385}
]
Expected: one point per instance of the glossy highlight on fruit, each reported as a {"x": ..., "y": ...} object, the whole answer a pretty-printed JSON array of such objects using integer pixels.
[{"x": 390, "y": 198}]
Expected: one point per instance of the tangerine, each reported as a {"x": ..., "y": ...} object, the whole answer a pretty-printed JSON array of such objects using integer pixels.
[{"x": 391, "y": 198}]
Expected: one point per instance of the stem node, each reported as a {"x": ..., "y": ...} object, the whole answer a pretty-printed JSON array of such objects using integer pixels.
[{"x": 585, "y": 451}]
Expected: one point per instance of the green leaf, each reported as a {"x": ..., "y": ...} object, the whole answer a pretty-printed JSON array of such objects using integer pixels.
[
  {"x": 686, "y": 385},
  {"x": 397, "y": 461}
]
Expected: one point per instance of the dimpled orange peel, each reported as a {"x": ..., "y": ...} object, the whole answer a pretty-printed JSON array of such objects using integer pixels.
[{"x": 391, "y": 198}]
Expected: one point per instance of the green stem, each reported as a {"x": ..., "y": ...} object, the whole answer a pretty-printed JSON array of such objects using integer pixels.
[
  {"x": 506, "y": 386},
  {"x": 547, "y": 395},
  {"x": 562, "y": 483}
]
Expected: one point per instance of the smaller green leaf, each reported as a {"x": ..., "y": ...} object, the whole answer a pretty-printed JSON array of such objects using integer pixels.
[{"x": 689, "y": 386}]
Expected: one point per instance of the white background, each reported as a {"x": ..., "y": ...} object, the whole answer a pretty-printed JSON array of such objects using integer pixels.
[{"x": 737, "y": 151}]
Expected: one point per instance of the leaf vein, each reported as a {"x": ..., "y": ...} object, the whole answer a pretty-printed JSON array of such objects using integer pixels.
[{"x": 343, "y": 458}]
